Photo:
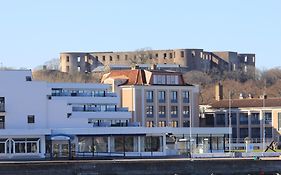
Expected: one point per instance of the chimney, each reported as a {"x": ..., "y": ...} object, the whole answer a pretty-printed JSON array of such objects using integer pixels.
[
  {"x": 264, "y": 96},
  {"x": 250, "y": 96},
  {"x": 241, "y": 96},
  {"x": 134, "y": 67},
  {"x": 153, "y": 67},
  {"x": 219, "y": 91}
]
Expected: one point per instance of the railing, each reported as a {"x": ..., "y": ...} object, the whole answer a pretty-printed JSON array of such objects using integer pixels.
[
  {"x": 2, "y": 107},
  {"x": 96, "y": 109},
  {"x": 76, "y": 94},
  {"x": 174, "y": 100},
  {"x": 122, "y": 124},
  {"x": 252, "y": 140},
  {"x": 255, "y": 122}
]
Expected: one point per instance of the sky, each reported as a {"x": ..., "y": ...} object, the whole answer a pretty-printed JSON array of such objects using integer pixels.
[{"x": 35, "y": 31}]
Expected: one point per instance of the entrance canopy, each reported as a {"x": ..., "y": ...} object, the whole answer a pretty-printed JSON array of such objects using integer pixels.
[{"x": 60, "y": 137}]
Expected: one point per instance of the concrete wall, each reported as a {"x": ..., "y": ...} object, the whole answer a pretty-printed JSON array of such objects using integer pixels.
[{"x": 145, "y": 166}]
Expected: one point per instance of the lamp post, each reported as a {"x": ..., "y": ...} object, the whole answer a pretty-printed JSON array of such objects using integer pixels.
[
  {"x": 230, "y": 124},
  {"x": 190, "y": 123},
  {"x": 263, "y": 123}
]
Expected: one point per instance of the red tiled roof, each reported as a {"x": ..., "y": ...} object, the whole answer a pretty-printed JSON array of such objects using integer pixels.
[
  {"x": 240, "y": 103},
  {"x": 135, "y": 77}
]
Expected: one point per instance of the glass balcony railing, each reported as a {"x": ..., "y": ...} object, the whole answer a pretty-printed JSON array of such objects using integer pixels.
[
  {"x": 77, "y": 94},
  {"x": 96, "y": 109}
]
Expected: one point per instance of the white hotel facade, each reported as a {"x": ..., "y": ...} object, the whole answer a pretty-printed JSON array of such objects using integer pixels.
[{"x": 53, "y": 120}]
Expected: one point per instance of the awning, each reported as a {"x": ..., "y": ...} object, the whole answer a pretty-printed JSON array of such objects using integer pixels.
[{"x": 61, "y": 137}]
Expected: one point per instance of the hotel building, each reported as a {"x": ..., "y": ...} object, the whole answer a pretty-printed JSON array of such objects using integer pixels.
[{"x": 69, "y": 120}]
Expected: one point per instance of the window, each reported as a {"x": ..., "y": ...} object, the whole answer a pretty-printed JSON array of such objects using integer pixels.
[
  {"x": 110, "y": 58},
  {"x": 159, "y": 79},
  {"x": 255, "y": 132},
  {"x": 126, "y": 57},
  {"x": 268, "y": 117},
  {"x": 28, "y": 78},
  {"x": 165, "y": 55},
  {"x": 193, "y": 53},
  {"x": 245, "y": 59},
  {"x": 233, "y": 119},
  {"x": 162, "y": 111},
  {"x": 171, "y": 55},
  {"x": 268, "y": 132},
  {"x": 243, "y": 133},
  {"x": 30, "y": 119},
  {"x": 279, "y": 121},
  {"x": 67, "y": 68},
  {"x": 174, "y": 111},
  {"x": 185, "y": 111},
  {"x": 118, "y": 57},
  {"x": 234, "y": 132},
  {"x": 149, "y": 111},
  {"x": 78, "y": 59},
  {"x": 149, "y": 96},
  {"x": 182, "y": 54},
  {"x": 2, "y": 104},
  {"x": 26, "y": 145},
  {"x": 86, "y": 59},
  {"x": 149, "y": 124},
  {"x": 2, "y": 122},
  {"x": 174, "y": 97},
  {"x": 185, "y": 96},
  {"x": 162, "y": 123},
  {"x": 220, "y": 119},
  {"x": 78, "y": 68},
  {"x": 255, "y": 118},
  {"x": 67, "y": 58},
  {"x": 185, "y": 123},
  {"x": 172, "y": 79},
  {"x": 175, "y": 124},
  {"x": 156, "y": 55},
  {"x": 161, "y": 96},
  {"x": 243, "y": 119},
  {"x": 103, "y": 58}
]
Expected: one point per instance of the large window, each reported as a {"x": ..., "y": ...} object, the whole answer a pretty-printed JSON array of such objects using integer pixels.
[
  {"x": 162, "y": 111},
  {"x": 185, "y": 123},
  {"x": 175, "y": 123},
  {"x": 93, "y": 144},
  {"x": 124, "y": 144},
  {"x": 174, "y": 111},
  {"x": 30, "y": 145},
  {"x": 152, "y": 144},
  {"x": 243, "y": 119},
  {"x": 185, "y": 96},
  {"x": 161, "y": 96},
  {"x": 149, "y": 123},
  {"x": 149, "y": 96},
  {"x": 149, "y": 111},
  {"x": 174, "y": 97}
]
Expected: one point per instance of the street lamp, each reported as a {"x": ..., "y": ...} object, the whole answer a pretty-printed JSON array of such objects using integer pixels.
[{"x": 230, "y": 124}]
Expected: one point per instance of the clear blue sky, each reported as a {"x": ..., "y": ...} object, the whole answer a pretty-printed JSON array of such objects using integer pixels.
[{"x": 34, "y": 31}]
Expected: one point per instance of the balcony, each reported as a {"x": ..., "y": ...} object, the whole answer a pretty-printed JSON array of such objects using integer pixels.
[
  {"x": 96, "y": 109},
  {"x": 174, "y": 100},
  {"x": 2, "y": 107},
  {"x": 161, "y": 100},
  {"x": 149, "y": 100},
  {"x": 120, "y": 124},
  {"x": 77, "y": 94}
]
